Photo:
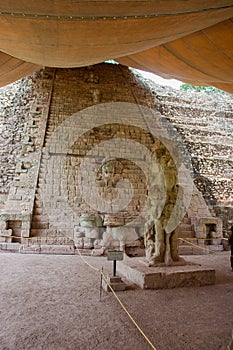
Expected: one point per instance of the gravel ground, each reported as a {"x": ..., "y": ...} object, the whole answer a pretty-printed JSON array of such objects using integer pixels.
[{"x": 51, "y": 302}]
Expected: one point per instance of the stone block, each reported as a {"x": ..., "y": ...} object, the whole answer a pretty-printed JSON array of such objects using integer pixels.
[
  {"x": 3, "y": 225},
  {"x": 6, "y": 235},
  {"x": 29, "y": 249},
  {"x": 57, "y": 249},
  {"x": 115, "y": 282},
  {"x": 216, "y": 241},
  {"x": 185, "y": 250},
  {"x": 25, "y": 232},
  {"x": 136, "y": 271},
  {"x": 216, "y": 247},
  {"x": 201, "y": 242},
  {"x": 97, "y": 252},
  {"x": 11, "y": 247}
]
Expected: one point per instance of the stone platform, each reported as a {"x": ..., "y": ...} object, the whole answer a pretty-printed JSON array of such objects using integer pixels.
[{"x": 136, "y": 271}]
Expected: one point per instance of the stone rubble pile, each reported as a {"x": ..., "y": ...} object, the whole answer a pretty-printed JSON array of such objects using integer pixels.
[{"x": 15, "y": 103}]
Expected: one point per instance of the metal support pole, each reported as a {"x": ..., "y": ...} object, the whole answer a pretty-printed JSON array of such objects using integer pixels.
[
  {"x": 101, "y": 283},
  {"x": 114, "y": 267}
]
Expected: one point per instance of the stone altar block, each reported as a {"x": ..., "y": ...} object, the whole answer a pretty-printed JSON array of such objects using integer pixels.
[{"x": 136, "y": 271}]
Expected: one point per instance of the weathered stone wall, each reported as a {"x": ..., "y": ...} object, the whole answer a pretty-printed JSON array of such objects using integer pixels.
[
  {"x": 205, "y": 123},
  {"x": 60, "y": 198},
  {"x": 49, "y": 158},
  {"x": 73, "y": 139},
  {"x": 14, "y": 118},
  {"x": 25, "y": 119}
]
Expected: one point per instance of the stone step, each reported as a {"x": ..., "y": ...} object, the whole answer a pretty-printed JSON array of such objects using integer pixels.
[
  {"x": 37, "y": 198},
  {"x": 215, "y": 247},
  {"x": 186, "y": 234},
  {"x": 185, "y": 221},
  {"x": 40, "y": 225},
  {"x": 37, "y": 211},
  {"x": 190, "y": 250},
  {"x": 185, "y": 227},
  {"x": 40, "y": 218},
  {"x": 193, "y": 241},
  {"x": 47, "y": 249},
  {"x": 10, "y": 247},
  {"x": 38, "y": 232},
  {"x": 29, "y": 249},
  {"x": 38, "y": 204},
  {"x": 84, "y": 251},
  {"x": 185, "y": 250}
]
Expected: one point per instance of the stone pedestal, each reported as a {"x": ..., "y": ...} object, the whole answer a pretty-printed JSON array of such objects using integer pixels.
[
  {"x": 136, "y": 271},
  {"x": 115, "y": 282}
]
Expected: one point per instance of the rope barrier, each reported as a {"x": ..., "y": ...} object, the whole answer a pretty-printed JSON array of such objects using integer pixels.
[
  {"x": 106, "y": 281},
  {"x": 196, "y": 246},
  {"x": 118, "y": 299},
  {"x": 63, "y": 239},
  {"x": 71, "y": 238},
  {"x": 105, "y": 278}
]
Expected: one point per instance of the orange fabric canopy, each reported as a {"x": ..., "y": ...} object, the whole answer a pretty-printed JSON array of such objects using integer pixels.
[{"x": 187, "y": 40}]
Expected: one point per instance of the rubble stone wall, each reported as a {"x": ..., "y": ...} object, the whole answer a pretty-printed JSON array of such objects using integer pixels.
[
  {"x": 25, "y": 118},
  {"x": 205, "y": 123},
  {"x": 14, "y": 117}
]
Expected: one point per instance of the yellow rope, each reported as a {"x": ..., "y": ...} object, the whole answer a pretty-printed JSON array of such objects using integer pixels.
[
  {"x": 110, "y": 287},
  {"x": 87, "y": 263},
  {"x": 105, "y": 279},
  {"x": 39, "y": 238},
  {"x": 205, "y": 239},
  {"x": 118, "y": 299},
  {"x": 71, "y": 238},
  {"x": 197, "y": 246}
]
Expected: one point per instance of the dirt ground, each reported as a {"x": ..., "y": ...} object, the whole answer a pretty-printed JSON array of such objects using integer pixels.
[{"x": 51, "y": 302}]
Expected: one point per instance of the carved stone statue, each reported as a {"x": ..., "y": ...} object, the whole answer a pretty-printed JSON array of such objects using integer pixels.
[
  {"x": 107, "y": 178},
  {"x": 161, "y": 244}
]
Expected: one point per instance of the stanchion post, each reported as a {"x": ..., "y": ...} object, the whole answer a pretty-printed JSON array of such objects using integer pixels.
[
  {"x": 101, "y": 282},
  {"x": 114, "y": 267}
]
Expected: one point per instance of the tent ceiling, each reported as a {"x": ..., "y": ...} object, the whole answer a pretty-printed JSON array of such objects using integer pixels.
[
  {"x": 187, "y": 40},
  {"x": 202, "y": 58},
  {"x": 12, "y": 69}
]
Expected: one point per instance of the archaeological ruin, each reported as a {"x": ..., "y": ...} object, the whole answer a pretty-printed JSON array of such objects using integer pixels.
[
  {"x": 99, "y": 158},
  {"x": 110, "y": 182}
]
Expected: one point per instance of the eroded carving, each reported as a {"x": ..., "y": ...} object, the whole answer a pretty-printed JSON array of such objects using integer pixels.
[{"x": 161, "y": 242}]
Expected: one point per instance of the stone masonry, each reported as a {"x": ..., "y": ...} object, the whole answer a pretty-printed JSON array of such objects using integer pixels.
[
  {"x": 24, "y": 125},
  {"x": 205, "y": 123},
  {"x": 48, "y": 188}
]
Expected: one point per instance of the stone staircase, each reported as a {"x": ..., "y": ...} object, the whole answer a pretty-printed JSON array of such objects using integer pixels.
[
  {"x": 186, "y": 232},
  {"x": 196, "y": 246},
  {"x": 40, "y": 220}
]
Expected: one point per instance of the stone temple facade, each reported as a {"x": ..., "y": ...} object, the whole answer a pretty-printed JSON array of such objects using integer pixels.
[{"x": 76, "y": 144}]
